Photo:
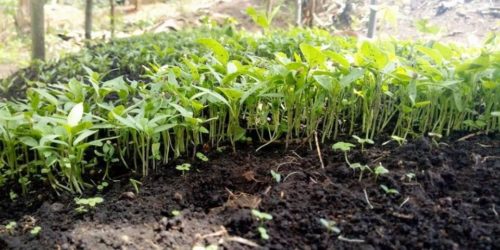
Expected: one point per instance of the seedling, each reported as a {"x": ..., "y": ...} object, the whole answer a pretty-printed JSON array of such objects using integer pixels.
[
  {"x": 361, "y": 168},
  {"x": 330, "y": 225},
  {"x": 176, "y": 212},
  {"x": 135, "y": 184},
  {"x": 87, "y": 203},
  {"x": 183, "y": 167},
  {"x": 389, "y": 190},
  {"x": 399, "y": 140},
  {"x": 410, "y": 176},
  {"x": 380, "y": 170},
  {"x": 36, "y": 230},
  {"x": 276, "y": 176},
  {"x": 102, "y": 186},
  {"x": 261, "y": 218},
  {"x": 363, "y": 142},
  {"x": 344, "y": 147},
  {"x": 201, "y": 156},
  {"x": 11, "y": 226}
]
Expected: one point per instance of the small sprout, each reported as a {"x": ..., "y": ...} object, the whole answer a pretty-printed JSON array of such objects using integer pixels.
[
  {"x": 363, "y": 142},
  {"x": 201, "y": 156},
  {"x": 399, "y": 140},
  {"x": 87, "y": 203},
  {"x": 11, "y": 226},
  {"x": 261, "y": 216},
  {"x": 176, "y": 212},
  {"x": 330, "y": 225},
  {"x": 276, "y": 176},
  {"x": 380, "y": 170},
  {"x": 209, "y": 247},
  {"x": 183, "y": 167},
  {"x": 410, "y": 176},
  {"x": 135, "y": 184},
  {"x": 263, "y": 233},
  {"x": 12, "y": 195},
  {"x": 101, "y": 186},
  {"x": 361, "y": 167},
  {"x": 343, "y": 146},
  {"x": 389, "y": 190},
  {"x": 35, "y": 231}
]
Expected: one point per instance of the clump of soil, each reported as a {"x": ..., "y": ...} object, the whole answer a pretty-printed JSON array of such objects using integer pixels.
[{"x": 445, "y": 197}]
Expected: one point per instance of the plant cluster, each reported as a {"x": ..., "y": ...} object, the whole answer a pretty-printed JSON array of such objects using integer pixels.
[{"x": 137, "y": 103}]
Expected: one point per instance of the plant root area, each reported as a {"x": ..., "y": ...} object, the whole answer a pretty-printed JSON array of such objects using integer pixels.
[{"x": 447, "y": 198}]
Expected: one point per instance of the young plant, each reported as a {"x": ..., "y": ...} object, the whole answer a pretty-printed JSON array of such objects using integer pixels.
[
  {"x": 363, "y": 142},
  {"x": 344, "y": 147},
  {"x": 183, "y": 167},
  {"x": 87, "y": 203},
  {"x": 36, "y": 230},
  {"x": 262, "y": 218},
  {"x": 201, "y": 156},
  {"x": 389, "y": 190},
  {"x": 135, "y": 184},
  {"x": 330, "y": 225},
  {"x": 380, "y": 170},
  {"x": 276, "y": 176}
]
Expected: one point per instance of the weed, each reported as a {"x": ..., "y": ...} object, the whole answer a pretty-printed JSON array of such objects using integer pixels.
[
  {"x": 36, "y": 230},
  {"x": 185, "y": 167},
  {"x": 276, "y": 176},
  {"x": 389, "y": 190},
  {"x": 330, "y": 225},
  {"x": 88, "y": 203},
  {"x": 261, "y": 218}
]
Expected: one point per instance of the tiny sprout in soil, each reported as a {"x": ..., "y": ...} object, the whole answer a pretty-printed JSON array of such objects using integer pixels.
[
  {"x": 276, "y": 176},
  {"x": 363, "y": 142},
  {"x": 330, "y": 225},
  {"x": 380, "y": 170},
  {"x": 87, "y": 203},
  {"x": 389, "y": 190},
  {"x": 35, "y": 231},
  {"x": 184, "y": 167},
  {"x": 201, "y": 157}
]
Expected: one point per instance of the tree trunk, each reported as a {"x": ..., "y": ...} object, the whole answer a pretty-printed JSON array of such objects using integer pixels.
[
  {"x": 373, "y": 19},
  {"x": 299, "y": 13},
  {"x": 22, "y": 18},
  {"x": 37, "y": 29},
  {"x": 88, "y": 19},
  {"x": 137, "y": 4},
  {"x": 112, "y": 17}
]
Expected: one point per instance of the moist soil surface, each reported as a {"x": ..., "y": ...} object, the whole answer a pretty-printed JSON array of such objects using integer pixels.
[{"x": 451, "y": 202}]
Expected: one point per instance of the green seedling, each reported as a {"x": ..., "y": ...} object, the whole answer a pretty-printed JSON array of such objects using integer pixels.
[
  {"x": 13, "y": 196},
  {"x": 36, "y": 230},
  {"x": 380, "y": 170},
  {"x": 135, "y": 184},
  {"x": 389, "y": 190},
  {"x": 102, "y": 186},
  {"x": 276, "y": 176},
  {"x": 399, "y": 140},
  {"x": 344, "y": 147},
  {"x": 11, "y": 226},
  {"x": 363, "y": 142},
  {"x": 176, "y": 212},
  {"x": 183, "y": 167},
  {"x": 87, "y": 203},
  {"x": 201, "y": 156},
  {"x": 262, "y": 218},
  {"x": 410, "y": 176},
  {"x": 362, "y": 168},
  {"x": 330, "y": 225}
]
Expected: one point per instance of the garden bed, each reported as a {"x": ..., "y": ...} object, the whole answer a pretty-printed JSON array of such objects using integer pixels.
[{"x": 451, "y": 202}]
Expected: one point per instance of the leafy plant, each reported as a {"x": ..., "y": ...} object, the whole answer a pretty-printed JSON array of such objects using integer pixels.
[
  {"x": 389, "y": 190},
  {"x": 380, "y": 170},
  {"x": 262, "y": 217},
  {"x": 36, "y": 230},
  {"x": 183, "y": 167},
  {"x": 87, "y": 203},
  {"x": 344, "y": 147},
  {"x": 201, "y": 156},
  {"x": 363, "y": 141}
]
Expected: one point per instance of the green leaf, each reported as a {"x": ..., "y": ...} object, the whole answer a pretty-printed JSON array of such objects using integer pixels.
[
  {"x": 343, "y": 146},
  {"x": 355, "y": 74},
  {"x": 219, "y": 51},
  {"x": 82, "y": 136},
  {"x": 75, "y": 115},
  {"x": 312, "y": 55},
  {"x": 258, "y": 17}
]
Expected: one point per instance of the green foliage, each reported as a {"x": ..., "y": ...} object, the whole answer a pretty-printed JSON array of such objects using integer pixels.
[
  {"x": 330, "y": 225},
  {"x": 88, "y": 203},
  {"x": 140, "y": 102}
]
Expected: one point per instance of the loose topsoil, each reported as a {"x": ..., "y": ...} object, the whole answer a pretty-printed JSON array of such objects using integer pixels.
[{"x": 452, "y": 202}]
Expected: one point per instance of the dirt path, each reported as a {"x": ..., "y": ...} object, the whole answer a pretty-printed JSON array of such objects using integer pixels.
[{"x": 451, "y": 202}]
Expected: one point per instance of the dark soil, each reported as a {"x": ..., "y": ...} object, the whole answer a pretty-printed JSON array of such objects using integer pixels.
[{"x": 452, "y": 203}]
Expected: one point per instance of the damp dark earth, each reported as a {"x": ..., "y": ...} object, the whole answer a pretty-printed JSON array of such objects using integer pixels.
[{"x": 434, "y": 195}]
